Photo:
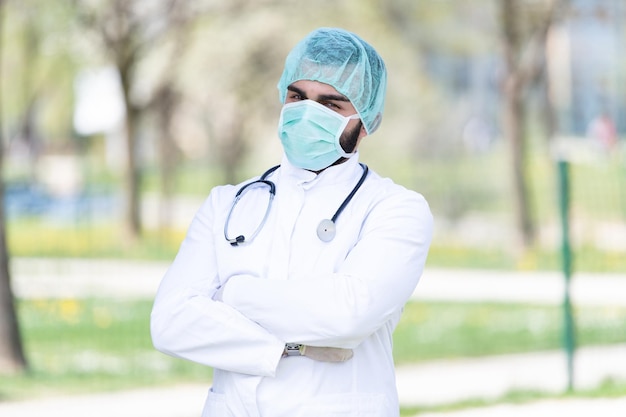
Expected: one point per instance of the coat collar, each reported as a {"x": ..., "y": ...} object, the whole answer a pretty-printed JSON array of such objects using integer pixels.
[{"x": 344, "y": 172}]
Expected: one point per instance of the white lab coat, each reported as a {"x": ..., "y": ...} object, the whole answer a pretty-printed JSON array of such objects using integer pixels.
[{"x": 288, "y": 286}]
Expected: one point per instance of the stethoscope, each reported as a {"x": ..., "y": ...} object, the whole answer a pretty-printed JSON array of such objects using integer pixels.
[{"x": 326, "y": 230}]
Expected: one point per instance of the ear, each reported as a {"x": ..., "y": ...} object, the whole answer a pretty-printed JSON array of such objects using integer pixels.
[{"x": 362, "y": 132}]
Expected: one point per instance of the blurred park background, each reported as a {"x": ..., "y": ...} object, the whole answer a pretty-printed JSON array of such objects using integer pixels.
[{"x": 118, "y": 116}]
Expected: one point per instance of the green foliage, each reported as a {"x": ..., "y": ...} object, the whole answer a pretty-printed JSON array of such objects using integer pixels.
[
  {"x": 228, "y": 97},
  {"x": 42, "y": 56}
]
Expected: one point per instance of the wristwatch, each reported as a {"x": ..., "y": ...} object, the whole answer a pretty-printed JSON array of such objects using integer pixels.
[{"x": 292, "y": 349}]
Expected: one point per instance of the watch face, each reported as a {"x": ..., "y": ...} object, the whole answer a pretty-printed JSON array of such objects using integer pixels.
[{"x": 293, "y": 349}]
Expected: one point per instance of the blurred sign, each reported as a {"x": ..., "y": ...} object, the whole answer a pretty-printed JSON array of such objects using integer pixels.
[
  {"x": 586, "y": 79},
  {"x": 99, "y": 102}
]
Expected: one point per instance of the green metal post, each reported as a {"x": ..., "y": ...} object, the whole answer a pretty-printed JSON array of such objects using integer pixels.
[{"x": 568, "y": 317}]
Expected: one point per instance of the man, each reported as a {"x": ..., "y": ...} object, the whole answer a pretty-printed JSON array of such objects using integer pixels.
[{"x": 291, "y": 285}]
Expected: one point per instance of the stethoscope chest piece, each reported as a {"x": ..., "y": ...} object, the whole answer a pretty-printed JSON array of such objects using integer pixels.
[{"x": 326, "y": 230}]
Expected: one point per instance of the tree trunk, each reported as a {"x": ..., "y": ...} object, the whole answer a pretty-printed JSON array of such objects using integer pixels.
[
  {"x": 12, "y": 359},
  {"x": 132, "y": 175},
  {"x": 514, "y": 130},
  {"x": 166, "y": 102},
  {"x": 514, "y": 112}
]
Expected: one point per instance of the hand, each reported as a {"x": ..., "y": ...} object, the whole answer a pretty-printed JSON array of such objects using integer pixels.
[{"x": 326, "y": 354}]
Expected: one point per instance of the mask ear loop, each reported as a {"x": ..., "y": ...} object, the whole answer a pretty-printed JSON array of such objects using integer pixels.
[
  {"x": 346, "y": 120},
  {"x": 241, "y": 238}
]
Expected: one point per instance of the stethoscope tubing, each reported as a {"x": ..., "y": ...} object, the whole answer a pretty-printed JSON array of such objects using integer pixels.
[
  {"x": 352, "y": 193},
  {"x": 328, "y": 234}
]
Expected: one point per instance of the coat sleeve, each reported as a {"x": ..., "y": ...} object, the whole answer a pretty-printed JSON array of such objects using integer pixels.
[
  {"x": 374, "y": 282},
  {"x": 187, "y": 323}
]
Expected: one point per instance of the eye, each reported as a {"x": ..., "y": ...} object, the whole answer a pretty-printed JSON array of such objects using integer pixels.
[
  {"x": 331, "y": 105},
  {"x": 293, "y": 96}
]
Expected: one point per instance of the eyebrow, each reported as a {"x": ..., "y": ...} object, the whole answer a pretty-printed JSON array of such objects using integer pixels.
[{"x": 322, "y": 97}]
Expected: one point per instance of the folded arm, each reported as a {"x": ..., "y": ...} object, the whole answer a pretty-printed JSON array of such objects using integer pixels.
[
  {"x": 187, "y": 323},
  {"x": 341, "y": 309}
]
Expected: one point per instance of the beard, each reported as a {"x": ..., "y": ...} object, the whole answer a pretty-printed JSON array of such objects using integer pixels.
[
  {"x": 348, "y": 141},
  {"x": 349, "y": 138}
]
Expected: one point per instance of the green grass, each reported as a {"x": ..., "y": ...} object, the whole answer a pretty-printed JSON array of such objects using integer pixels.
[
  {"x": 431, "y": 331},
  {"x": 34, "y": 238},
  {"x": 75, "y": 346},
  {"x": 607, "y": 389},
  {"x": 586, "y": 259}
]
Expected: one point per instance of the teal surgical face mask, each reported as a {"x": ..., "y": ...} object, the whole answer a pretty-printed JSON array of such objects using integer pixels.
[{"x": 310, "y": 134}]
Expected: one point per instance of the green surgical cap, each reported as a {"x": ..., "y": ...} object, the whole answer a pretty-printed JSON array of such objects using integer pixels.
[{"x": 346, "y": 62}]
